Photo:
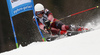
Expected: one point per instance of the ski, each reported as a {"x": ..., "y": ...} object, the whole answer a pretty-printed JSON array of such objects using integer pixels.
[
  {"x": 69, "y": 33},
  {"x": 51, "y": 39}
]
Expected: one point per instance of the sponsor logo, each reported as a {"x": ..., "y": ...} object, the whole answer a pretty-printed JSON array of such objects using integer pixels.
[
  {"x": 12, "y": 1},
  {"x": 22, "y": 8}
]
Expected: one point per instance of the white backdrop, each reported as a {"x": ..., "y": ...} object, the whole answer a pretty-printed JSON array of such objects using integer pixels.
[{"x": 16, "y": 3}]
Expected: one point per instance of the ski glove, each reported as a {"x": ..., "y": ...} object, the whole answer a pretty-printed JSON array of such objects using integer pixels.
[{"x": 47, "y": 26}]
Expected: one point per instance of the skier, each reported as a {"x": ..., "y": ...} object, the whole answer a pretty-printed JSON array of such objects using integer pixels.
[{"x": 51, "y": 25}]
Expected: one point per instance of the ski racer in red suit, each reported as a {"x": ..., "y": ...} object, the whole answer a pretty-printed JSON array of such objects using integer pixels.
[{"x": 51, "y": 25}]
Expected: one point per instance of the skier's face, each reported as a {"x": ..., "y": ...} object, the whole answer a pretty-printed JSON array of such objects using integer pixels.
[{"x": 40, "y": 13}]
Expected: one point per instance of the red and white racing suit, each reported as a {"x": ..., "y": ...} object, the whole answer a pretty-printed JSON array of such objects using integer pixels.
[{"x": 57, "y": 27}]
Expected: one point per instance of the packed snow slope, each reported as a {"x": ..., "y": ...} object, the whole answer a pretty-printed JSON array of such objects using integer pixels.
[{"x": 82, "y": 44}]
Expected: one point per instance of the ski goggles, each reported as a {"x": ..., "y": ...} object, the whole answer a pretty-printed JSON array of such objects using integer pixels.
[{"x": 40, "y": 12}]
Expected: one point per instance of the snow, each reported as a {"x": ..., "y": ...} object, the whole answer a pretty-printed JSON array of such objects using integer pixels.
[{"x": 82, "y": 44}]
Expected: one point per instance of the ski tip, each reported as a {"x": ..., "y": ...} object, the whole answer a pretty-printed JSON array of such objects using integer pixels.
[{"x": 97, "y": 6}]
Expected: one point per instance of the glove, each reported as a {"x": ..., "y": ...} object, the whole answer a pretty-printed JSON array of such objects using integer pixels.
[
  {"x": 47, "y": 29},
  {"x": 47, "y": 26},
  {"x": 47, "y": 23}
]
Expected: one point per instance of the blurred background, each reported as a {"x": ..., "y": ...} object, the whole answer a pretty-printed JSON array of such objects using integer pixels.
[{"x": 26, "y": 30}]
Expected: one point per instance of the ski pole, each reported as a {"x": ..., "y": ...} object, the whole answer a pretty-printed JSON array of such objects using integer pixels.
[{"x": 79, "y": 12}]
